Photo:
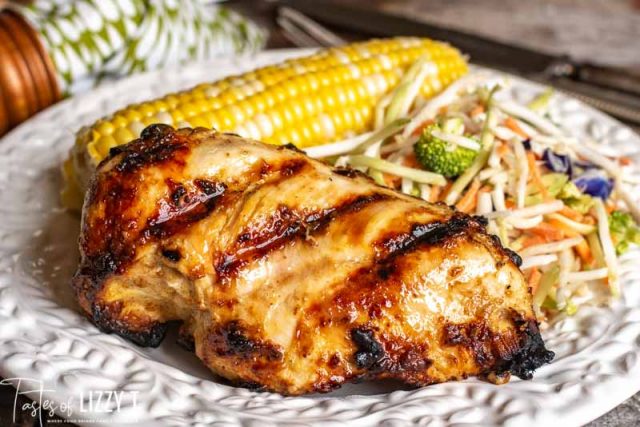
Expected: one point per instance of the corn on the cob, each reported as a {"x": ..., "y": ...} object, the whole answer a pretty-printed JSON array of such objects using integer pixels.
[{"x": 306, "y": 101}]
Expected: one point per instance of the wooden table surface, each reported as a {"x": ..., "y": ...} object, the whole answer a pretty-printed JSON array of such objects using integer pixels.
[{"x": 458, "y": 13}]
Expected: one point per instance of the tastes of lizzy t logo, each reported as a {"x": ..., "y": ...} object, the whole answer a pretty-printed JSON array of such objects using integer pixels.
[{"x": 86, "y": 407}]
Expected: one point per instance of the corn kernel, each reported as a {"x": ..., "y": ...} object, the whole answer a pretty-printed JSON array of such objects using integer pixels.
[
  {"x": 215, "y": 104},
  {"x": 316, "y": 130},
  {"x": 238, "y": 115},
  {"x": 252, "y": 129},
  {"x": 308, "y": 106},
  {"x": 265, "y": 125},
  {"x": 276, "y": 120},
  {"x": 328, "y": 127},
  {"x": 338, "y": 123},
  {"x": 188, "y": 109},
  {"x": 294, "y": 137},
  {"x": 227, "y": 121},
  {"x": 287, "y": 115},
  {"x": 247, "y": 108},
  {"x": 199, "y": 121},
  {"x": 136, "y": 128},
  {"x": 105, "y": 128},
  {"x": 119, "y": 121},
  {"x": 160, "y": 106},
  {"x": 201, "y": 105},
  {"x": 177, "y": 116},
  {"x": 208, "y": 117},
  {"x": 148, "y": 121},
  {"x": 298, "y": 112},
  {"x": 104, "y": 144},
  {"x": 164, "y": 118},
  {"x": 172, "y": 101},
  {"x": 93, "y": 153},
  {"x": 305, "y": 136},
  {"x": 146, "y": 110},
  {"x": 269, "y": 99},
  {"x": 123, "y": 136},
  {"x": 132, "y": 114}
]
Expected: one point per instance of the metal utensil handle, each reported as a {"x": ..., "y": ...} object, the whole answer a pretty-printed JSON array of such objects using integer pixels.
[
  {"x": 628, "y": 115},
  {"x": 303, "y": 31},
  {"x": 619, "y": 79}
]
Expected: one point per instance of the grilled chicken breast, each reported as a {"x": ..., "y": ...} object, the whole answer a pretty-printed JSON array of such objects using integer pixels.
[{"x": 290, "y": 275}]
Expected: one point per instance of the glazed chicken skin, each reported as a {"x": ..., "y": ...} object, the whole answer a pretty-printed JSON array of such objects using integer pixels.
[{"x": 292, "y": 276}]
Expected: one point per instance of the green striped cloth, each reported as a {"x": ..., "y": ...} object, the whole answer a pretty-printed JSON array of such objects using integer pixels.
[{"x": 90, "y": 40}]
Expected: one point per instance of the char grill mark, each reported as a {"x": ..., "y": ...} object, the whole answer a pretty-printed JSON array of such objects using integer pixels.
[
  {"x": 184, "y": 208},
  {"x": 351, "y": 173},
  {"x": 476, "y": 337},
  {"x": 519, "y": 354},
  {"x": 172, "y": 255},
  {"x": 273, "y": 174},
  {"x": 440, "y": 232},
  {"x": 292, "y": 167},
  {"x": 429, "y": 234},
  {"x": 531, "y": 353},
  {"x": 233, "y": 340},
  {"x": 177, "y": 191},
  {"x": 105, "y": 317},
  {"x": 291, "y": 147},
  {"x": 285, "y": 225},
  {"x": 190, "y": 208},
  {"x": 369, "y": 351},
  {"x": 513, "y": 256},
  {"x": 157, "y": 144}
]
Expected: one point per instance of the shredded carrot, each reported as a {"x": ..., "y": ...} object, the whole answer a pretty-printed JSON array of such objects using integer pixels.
[
  {"x": 503, "y": 150},
  {"x": 485, "y": 189},
  {"x": 564, "y": 228},
  {"x": 589, "y": 220},
  {"x": 547, "y": 232},
  {"x": 515, "y": 127},
  {"x": 610, "y": 206},
  {"x": 445, "y": 191},
  {"x": 435, "y": 193},
  {"x": 469, "y": 200},
  {"x": 478, "y": 109},
  {"x": 532, "y": 240},
  {"x": 625, "y": 161},
  {"x": 534, "y": 174},
  {"x": 411, "y": 161},
  {"x": 421, "y": 127},
  {"x": 572, "y": 214},
  {"x": 584, "y": 252},
  {"x": 510, "y": 204},
  {"x": 391, "y": 181},
  {"x": 534, "y": 280}
]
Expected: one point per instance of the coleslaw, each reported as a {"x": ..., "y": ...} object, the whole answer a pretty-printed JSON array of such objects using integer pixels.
[{"x": 559, "y": 201}]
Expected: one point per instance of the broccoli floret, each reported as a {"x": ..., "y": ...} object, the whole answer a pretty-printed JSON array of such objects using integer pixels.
[
  {"x": 571, "y": 195},
  {"x": 624, "y": 231},
  {"x": 440, "y": 156}
]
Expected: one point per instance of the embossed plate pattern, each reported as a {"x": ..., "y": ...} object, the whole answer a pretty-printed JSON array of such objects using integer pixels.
[{"x": 42, "y": 334}]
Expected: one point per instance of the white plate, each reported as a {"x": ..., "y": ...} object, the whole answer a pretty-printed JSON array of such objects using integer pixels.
[{"x": 43, "y": 336}]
